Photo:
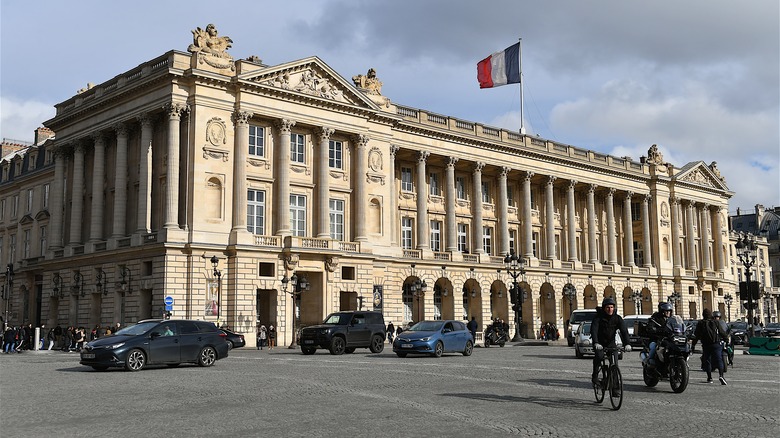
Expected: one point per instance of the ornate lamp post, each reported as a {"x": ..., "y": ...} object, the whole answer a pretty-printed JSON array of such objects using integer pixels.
[
  {"x": 674, "y": 298},
  {"x": 297, "y": 286},
  {"x": 515, "y": 267},
  {"x": 728, "y": 299},
  {"x": 636, "y": 296},
  {"x": 8, "y": 289},
  {"x": 746, "y": 250},
  {"x": 217, "y": 273},
  {"x": 57, "y": 289}
]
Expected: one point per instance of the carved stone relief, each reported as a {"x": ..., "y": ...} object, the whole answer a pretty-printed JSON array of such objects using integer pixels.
[{"x": 216, "y": 131}]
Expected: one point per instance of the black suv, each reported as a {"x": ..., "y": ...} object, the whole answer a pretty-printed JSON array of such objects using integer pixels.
[{"x": 343, "y": 332}]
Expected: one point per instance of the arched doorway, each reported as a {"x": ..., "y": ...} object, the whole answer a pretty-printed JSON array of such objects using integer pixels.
[
  {"x": 647, "y": 302},
  {"x": 472, "y": 302},
  {"x": 693, "y": 312},
  {"x": 547, "y": 304},
  {"x": 568, "y": 304},
  {"x": 499, "y": 307},
  {"x": 413, "y": 297},
  {"x": 629, "y": 306},
  {"x": 589, "y": 297},
  {"x": 609, "y": 292},
  {"x": 527, "y": 310},
  {"x": 443, "y": 299}
]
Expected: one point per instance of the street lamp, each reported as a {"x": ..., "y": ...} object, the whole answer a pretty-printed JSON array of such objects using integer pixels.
[
  {"x": 746, "y": 250},
  {"x": 57, "y": 289},
  {"x": 298, "y": 285},
  {"x": 218, "y": 274},
  {"x": 8, "y": 288},
  {"x": 728, "y": 299},
  {"x": 674, "y": 298},
  {"x": 767, "y": 304},
  {"x": 636, "y": 296},
  {"x": 571, "y": 292},
  {"x": 100, "y": 283},
  {"x": 125, "y": 277},
  {"x": 78, "y": 283},
  {"x": 515, "y": 267}
]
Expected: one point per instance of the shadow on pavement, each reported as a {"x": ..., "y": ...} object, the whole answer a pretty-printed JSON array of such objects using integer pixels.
[{"x": 549, "y": 402}]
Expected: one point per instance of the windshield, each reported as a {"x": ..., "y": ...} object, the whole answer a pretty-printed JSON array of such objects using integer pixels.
[
  {"x": 738, "y": 325},
  {"x": 426, "y": 326},
  {"x": 137, "y": 329},
  {"x": 338, "y": 319},
  {"x": 585, "y": 330},
  {"x": 675, "y": 324},
  {"x": 773, "y": 325},
  {"x": 578, "y": 317}
]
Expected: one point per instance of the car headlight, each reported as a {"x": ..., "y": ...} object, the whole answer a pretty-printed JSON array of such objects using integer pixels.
[
  {"x": 115, "y": 346},
  {"x": 425, "y": 339},
  {"x": 324, "y": 331},
  {"x": 586, "y": 342}
]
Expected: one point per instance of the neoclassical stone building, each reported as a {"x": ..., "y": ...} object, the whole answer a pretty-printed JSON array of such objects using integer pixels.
[{"x": 294, "y": 171}]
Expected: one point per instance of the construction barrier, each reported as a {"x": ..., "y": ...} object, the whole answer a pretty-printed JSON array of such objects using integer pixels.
[{"x": 764, "y": 346}]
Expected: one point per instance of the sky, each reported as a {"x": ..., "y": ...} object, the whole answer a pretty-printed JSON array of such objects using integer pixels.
[{"x": 699, "y": 78}]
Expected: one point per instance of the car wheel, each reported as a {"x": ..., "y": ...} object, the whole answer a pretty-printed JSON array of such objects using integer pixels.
[
  {"x": 230, "y": 345},
  {"x": 501, "y": 344},
  {"x": 469, "y": 348},
  {"x": 349, "y": 350},
  {"x": 99, "y": 367},
  {"x": 136, "y": 360},
  {"x": 207, "y": 357},
  {"x": 377, "y": 344},
  {"x": 487, "y": 342},
  {"x": 577, "y": 353},
  {"x": 337, "y": 346},
  {"x": 399, "y": 354},
  {"x": 308, "y": 350},
  {"x": 438, "y": 349}
]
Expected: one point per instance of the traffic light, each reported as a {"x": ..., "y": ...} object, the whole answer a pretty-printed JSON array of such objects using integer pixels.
[{"x": 513, "y": 296}]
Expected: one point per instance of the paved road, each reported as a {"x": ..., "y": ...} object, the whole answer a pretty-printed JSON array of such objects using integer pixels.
[{"x": 516, "y": 390}]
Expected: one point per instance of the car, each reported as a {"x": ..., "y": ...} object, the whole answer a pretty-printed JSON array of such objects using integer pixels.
[
  {"x": 434, "y": 338},
  {"x": 772, "y": 330},
  {"x": 234, "y": 340},
  {"x": 575, "y": 319},
  {"x": 738, "y": 331},
  {"x": 157, "y": 342},
  {"x": 343, "y": 332},
  {"x": 633, "y": 323},
  {"x": 582, "y": 340}
]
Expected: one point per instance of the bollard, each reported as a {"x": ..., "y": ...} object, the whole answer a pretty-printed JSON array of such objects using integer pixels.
[{"x": 37, "y": 345}]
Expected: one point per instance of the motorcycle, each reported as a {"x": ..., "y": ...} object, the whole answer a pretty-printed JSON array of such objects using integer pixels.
[
  {"x": 495, "y": 336},
  {"x": 671, "y": 361}
]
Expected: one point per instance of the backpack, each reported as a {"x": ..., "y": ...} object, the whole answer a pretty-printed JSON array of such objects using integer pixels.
[{"x": 709, "y": 333}]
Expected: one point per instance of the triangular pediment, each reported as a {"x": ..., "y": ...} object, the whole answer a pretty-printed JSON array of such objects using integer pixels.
[
  {"x": 699, "y": 173},
  {"x": 310, "y": 77},
  {"x": 26, "y": 219}
]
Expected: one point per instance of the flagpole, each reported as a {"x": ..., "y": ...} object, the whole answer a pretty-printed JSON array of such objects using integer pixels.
[{"x": 522, "y": 125}]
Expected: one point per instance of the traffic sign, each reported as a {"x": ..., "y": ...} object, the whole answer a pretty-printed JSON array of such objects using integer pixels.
[{"x": 168, "y": 300}]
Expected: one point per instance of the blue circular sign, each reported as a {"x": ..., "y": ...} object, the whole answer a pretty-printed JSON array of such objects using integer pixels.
[{"x": 168, "y": 300}]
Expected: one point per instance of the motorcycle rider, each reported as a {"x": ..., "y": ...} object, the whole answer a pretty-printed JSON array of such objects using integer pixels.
[
  {"x": 656, "y": 329},
  {"x": 602, "y": 332}
]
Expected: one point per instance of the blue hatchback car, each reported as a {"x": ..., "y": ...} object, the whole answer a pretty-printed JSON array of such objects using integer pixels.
[{"x": 434, "y": 338}]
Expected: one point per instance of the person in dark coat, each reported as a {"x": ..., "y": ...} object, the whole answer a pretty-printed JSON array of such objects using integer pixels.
[
  {"x": 710, "y": 333},
  {"x": 9, "y": 340},
  {"x": 602, "y": 331},
  {"x": 473, "y": 326}
]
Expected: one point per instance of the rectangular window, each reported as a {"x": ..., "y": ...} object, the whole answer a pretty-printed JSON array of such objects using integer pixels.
[
  {"x": 433, "y": 184},
  {"x": 2, "y": 209},
  {"x": 534, "y": 205},
  {"x": 256, "y": 141},
  {"x": 406, "y": 179},
  {"x": 298, "y": 215},
  {"x": 337, "y": 219},
  {"x": 297, "y": 148},
  {"x": 335, "y": 151},
  {"x": 255, "y": 211},
  {"x": 406, "y": 233},
  {"x": 639, "y": 255},
  {"x": 557, "y": 246},
  {"x": 43, "y": 241},
  {"x": 463, "y": 238},
  {"x": 1, "y": 248},
  {"x": 460, "y": 187},
  {"x": 436, "y": 236},
  {"x": 30, "y": 194},
  {"x": 15, "y": 206},
  {"x": 12, "y": 248},
  {"x": 534, "y": 245},
  {"x": 635, "y": 211},
  {"x": 512, "y": 240},
  {"x": 487, "y": 240},
  {"x": 510, "y": 196},
  {"x": 26, "y": 244},
  {"x": 46, "y": 189},
  {"x": 485, "y": 193}
]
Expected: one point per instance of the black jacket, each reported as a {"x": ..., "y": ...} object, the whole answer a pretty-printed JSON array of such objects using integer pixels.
[
  {"x": 656, "y": 326},
  {"x": 604, "y": 327}
]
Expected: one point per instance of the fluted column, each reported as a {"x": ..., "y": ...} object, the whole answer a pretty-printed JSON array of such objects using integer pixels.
[
  {"x": 593, "y": 253},
  {"x": 240, "y": 152},
  {"x": 646, "y": 244},
  {"x": 503, "y": 211},
  {"x": 57, "y": 199},
  {"x": 451, "y": 194},
  {"x": 628, "y": 231},
  {"x": 323, "y": 183},
  {"x": 476, "y": 205},
  {"x": 77, "y": 202},
  {"x": 394, "y": 196},
  {"x": 361, "y": 163},
  {"x": 676, "y": 256},
  {"x": 120, "y": 183},
  {"x": 175, "y": 112},
  {"x": 571, "y": 221},
  {"x": 549, "y": 217},
  {"x": 422, "y": 202},
  {"x": 718, "y": 239},
  {"x": 690, "y": 235},
  {"x": 528, "y": 244},
  {"x": 611, "y": 237},
  {"x": 704, "y": 214},
  {"x": 98, "y": 174},
  {"x": 282, "y": 157},
  {"x": 144, "y": 212}
]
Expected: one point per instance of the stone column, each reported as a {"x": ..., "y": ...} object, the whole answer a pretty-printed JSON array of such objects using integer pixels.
[
  {"x": 593, "y": 254},
  {"x": 628, "y": 231},
  {"x": 452, "y": 199},
  {"x": 57, "y": 199},
  {"x": 77, "y": 203},
  {"x": 503, "y": 211},
  {"x": 120, "y": 183},
  {"x": 393, "y": 196},
  {"x": 646, "y": 244},
  {"x": 676, "y": 256},
  {"x": 704, "y": 214},
  {"x": 282, "y": 157},
  {"x": 98, "y": 174},
  {"x": 240, "y": 152},
  {"x": 476, "y": 206},
  {"x": 175, "y": 112},
  {"x": 144, "y": 217},
  {"x": 422, "y": 202},
  {"x": 571, "y": 221},
  {"x": 361, "y": 201},
  {"x": 717, "y": 236},
  {"x": 528, "y": 237},
  {"x": 611, "y": 237},
  {"x": 690, "y": 236},
  {"x": 549, "y": 217},
  {"x": 323, "y": 183}
]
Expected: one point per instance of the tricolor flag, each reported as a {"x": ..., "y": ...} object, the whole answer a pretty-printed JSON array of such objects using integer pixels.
[{"x": 500, "y": 68}]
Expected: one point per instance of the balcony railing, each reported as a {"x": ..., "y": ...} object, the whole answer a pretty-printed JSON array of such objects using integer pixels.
[{"x": 412, "y": 254}]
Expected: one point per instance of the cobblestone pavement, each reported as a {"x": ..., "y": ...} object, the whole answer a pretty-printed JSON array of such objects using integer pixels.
[{"x": 516, "y": 390}]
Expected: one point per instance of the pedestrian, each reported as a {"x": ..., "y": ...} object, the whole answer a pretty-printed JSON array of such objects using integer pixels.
[
  {"x": 710, "y": 333},
  {"x": 262, "y": 336},
  {"x": 390, "y": 331},
  {"x": 9, "y": 340},
  {"x": 81, "y": 337},
  {"x": 271, "y": 337},
  {"x": 58, "y": 336},
  {"x": 473, "y": 326},
  {"x": 51, "y": 338},
  {"x": 67, "y": 339}
]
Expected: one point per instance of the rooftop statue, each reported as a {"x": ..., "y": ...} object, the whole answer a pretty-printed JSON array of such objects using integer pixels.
[
  {"x": 207, "y": 42},
  {"x": 369, "y": 83},
  {"x": 654, "y": 156},
  {"x": 714, "y": 169}
]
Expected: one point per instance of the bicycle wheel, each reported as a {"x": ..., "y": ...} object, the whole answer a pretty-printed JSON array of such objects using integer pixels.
[
  {"x": 615, "y": 388},
  {"x": 599, "y": 388}
]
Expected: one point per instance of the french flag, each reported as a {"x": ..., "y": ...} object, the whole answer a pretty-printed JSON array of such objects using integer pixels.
[{"x": 500, "y": 68}]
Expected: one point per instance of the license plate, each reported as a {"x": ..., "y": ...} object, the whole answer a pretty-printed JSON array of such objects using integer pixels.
[
  {"x": 88, "y": 356},
  {"x": 407, "y": 345},
  {"x": 308, "y": 341}
]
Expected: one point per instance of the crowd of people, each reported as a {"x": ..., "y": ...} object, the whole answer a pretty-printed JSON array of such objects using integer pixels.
[{"x": 72, "y": 338}]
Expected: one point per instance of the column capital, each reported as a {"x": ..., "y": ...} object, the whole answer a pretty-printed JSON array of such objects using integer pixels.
[
  {"x": 647, "y": 198},
  {"x": 121, "y": 129},
  {"x": 505, "y": 171},
  {"x": 611, "y": 191},
  {"x": 394, "y": 150},
  {"x": 284, "y": 125},
  {"x": 240, "y": 117},
  {"x": 551, "y": 180},
  {"x": 528, "y": 175},
  {"x": 361, "y": 140},
  {"x": 451, "y": 161},
  {"x": 629, "y": 195},
  {"x": 325, "y": 132},
  {"x": 422, "y": 156},
  {"x": 674, "y": 200},
  {"x": 176, "y": 110},
  {"x": 705, "y": 206},
  {"x": 478, "y": 166},
  {"x": 592, "y": 188},
  {"x": 572, "y": 183},
  {"x": 97, "y": 137},
  {"x": 145, "y": 119}
]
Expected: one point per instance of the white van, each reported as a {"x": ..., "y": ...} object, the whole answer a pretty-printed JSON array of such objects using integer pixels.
[
  {"x": 575, "y": 319},
  {"x": 632, "y": 323}
]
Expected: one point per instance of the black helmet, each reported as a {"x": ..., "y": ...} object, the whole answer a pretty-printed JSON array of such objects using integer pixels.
[
  {"x": 607, "y": 301},
  {"x": 716, "y": 314},
  {"x": 664, "y": 307}
]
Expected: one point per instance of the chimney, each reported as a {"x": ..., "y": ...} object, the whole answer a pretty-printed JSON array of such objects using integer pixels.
[
  {"x": 738, "y": 212},
  {"x": 42, "y": 134},
  {"x": 759, "y": 215}
]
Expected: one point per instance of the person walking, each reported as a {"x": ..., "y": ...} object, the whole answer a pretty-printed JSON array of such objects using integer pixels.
[
  {"x": 9, "y": 340},
  {"x": 271, "y": 337},
  {"x": 50, "y": 338},
  {"x": 473, "y": 326},
  {"x": 390, "y": 331},
  {"x": 710, "y": 333},
  {"x": 262, "y": 336}
]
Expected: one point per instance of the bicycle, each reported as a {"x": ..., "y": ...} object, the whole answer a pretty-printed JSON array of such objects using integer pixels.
[{"x": 611, "y": 379}]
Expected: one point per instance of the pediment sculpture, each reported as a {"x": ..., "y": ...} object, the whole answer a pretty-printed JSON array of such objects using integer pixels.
[
  {"x": 714, "y": 168},
  {"x": 211, "y": 48},
  {"x": 654, "y": 156},
  {"x": 368, "y": 83}
]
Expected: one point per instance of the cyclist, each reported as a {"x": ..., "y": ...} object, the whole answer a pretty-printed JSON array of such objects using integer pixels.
[
  {"x": 602, "y": 331},
  {"x": 656, "y": 329}
]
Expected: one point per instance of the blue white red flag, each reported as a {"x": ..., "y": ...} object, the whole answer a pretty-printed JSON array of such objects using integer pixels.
[{"x": 500, "y": 68}]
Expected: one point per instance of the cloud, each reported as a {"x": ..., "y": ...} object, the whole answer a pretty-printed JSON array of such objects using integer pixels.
[{"x": 19, "y": 119}]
